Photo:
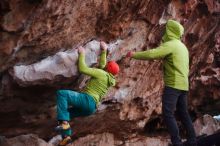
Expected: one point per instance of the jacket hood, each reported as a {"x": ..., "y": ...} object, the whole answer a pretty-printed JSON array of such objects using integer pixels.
[
  {"x": 111, "y": 80},
  {"x": 174, "y": 30}
]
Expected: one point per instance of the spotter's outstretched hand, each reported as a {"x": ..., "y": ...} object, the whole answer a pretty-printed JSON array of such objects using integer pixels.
[{"x": 130, "y": 54}]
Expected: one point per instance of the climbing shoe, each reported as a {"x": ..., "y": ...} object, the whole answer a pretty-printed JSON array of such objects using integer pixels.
[
  {"x": 62, "y": 127},
  {"x": 65, "y": 133},
  {"x": 65, "y": 141}
]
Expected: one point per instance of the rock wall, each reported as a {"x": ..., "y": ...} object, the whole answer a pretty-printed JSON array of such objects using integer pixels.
[{"x": 38, "y": 40}]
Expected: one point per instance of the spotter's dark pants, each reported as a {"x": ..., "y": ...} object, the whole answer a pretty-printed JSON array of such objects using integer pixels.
[{"x": 176, "y": 100}]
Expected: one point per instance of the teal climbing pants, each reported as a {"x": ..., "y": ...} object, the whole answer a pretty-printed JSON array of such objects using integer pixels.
[{"x": 72, "y": 104}]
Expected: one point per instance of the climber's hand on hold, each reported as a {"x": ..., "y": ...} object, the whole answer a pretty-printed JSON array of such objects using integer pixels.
[
  {"x": 103, "y": 46},
  {"x": 130, "y": 54},
  {"x": 81, "y": 50}
]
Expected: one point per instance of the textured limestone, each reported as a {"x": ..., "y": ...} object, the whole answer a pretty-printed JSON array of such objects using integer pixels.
[
  {"x": 22, "y": 140},
  {"x": 213, "y": 6},
  {"x": 106, "y": 139},
  {"x": 103, "y": 139},
  {"x": 65, "y": 63},
  {"x": 62, "y": 63},
  {"x": 206, "y": 125},
  {"x": 46, "y": 28},
  {"x": 147, "y": 141}
]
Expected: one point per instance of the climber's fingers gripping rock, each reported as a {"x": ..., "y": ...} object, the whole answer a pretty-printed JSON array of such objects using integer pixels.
[{"x": 81, "y": 50}]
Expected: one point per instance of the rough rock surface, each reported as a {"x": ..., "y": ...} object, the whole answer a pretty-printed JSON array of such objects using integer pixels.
[
  {"x": 24, "y": 140},
  {"x": 107, "y": 139},
  {"x": 37, "y": 50},
  {"x": 206, "y": 125},
  {"x": 104, "y": 139}
]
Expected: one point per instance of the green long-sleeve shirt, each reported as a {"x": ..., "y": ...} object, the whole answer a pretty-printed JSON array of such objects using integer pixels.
[
  {"x": 100, "y": 80},
  {"x": 175, "y": 55}
]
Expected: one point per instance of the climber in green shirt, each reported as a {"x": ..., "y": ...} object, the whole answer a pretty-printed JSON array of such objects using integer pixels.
[
  {"x": 176, "y": 70},
  {"x": 72, "y": 104}
]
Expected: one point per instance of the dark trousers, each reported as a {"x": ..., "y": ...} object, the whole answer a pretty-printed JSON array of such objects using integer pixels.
[{"x": 176, "y": 100}]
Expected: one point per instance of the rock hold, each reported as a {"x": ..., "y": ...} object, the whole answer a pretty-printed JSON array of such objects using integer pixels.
[
  {"x": 61, "y": 64},
  {"x": 206, "y": 125}
]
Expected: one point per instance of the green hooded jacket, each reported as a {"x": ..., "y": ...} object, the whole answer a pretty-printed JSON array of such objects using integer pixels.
[
  {"x": 100, "y": 80},
  {"x": 175, "y": 55}
]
